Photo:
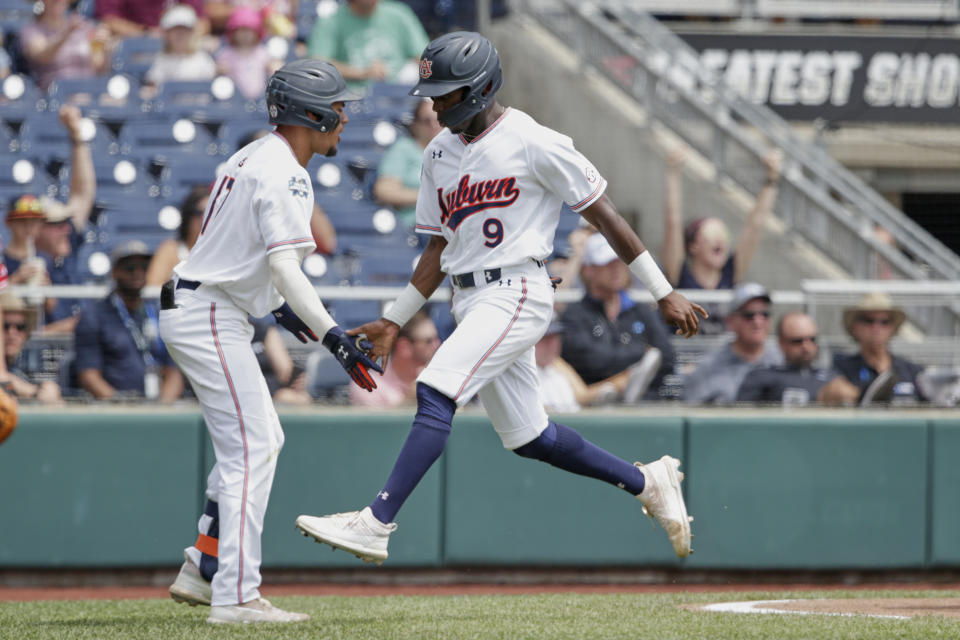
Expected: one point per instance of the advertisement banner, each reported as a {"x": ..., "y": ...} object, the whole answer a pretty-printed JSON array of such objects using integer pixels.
[{"x": 840, "y": 78}]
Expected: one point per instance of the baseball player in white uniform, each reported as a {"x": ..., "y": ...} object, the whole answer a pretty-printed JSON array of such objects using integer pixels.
[
  {"x": 255, "y": 232},
  {"x": 490, "y": 196}
]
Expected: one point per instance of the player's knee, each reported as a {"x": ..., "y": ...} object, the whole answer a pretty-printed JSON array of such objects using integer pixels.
[
  {"x": 433, "y": 408},
  {"x": 541, "y": 447}
]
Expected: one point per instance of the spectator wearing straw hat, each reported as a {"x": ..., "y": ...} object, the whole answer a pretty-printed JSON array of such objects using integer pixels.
[
  {"x": 25, "y": 218},
  {"x": 878, "y": 373},
  {"x": 28, "y": 380}
]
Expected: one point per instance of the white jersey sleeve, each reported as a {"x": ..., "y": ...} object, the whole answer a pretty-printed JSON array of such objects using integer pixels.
[
  {"x": 285, "y": 209},
  {"x": 563, "y": 170},
  {"x": 428, "y": 206}
]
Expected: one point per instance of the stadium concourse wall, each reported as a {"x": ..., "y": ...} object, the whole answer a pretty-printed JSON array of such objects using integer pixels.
[{"x": 770, "y": 489}]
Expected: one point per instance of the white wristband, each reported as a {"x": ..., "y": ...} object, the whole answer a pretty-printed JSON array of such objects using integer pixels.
[
  {"x": 644, "y": 267},
  {"x": 407, "y": 303}
]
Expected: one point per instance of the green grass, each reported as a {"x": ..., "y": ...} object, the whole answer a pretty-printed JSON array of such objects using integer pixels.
[{"x": 531, "y": 617}]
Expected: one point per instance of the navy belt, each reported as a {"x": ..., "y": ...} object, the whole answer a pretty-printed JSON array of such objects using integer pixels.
[
  {"x": 467, "y": 280},
  {"x": 187, "y": 284}
]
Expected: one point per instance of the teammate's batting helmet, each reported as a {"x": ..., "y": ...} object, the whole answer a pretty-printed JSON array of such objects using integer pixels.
[
  {"x": 306, "y": 86},
  {"x": 460, "y": 60}
]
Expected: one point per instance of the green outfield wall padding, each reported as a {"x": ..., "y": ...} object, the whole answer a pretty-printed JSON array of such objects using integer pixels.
[
  {"x": 768, "y": 491},
  {"x": 339, "y": 463},
  {"x": 504, "y": 509},
  {"x": 107, "y": 490},
  {"x": 945, "y": 494},
  {"x": 808, "y": 493}
]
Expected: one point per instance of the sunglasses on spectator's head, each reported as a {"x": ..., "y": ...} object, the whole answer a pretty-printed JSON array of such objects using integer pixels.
[
  {"x": 882, "y": 320},
  {"x": 801, "y": 340},
  {"x": 750, "y": 315}
]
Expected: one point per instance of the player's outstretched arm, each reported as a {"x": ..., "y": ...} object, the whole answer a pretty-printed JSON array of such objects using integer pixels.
[
  {"x": 675, "y": 309},
  {"x": 427, "y": 276},
  {"x": 305, "y": 316}
]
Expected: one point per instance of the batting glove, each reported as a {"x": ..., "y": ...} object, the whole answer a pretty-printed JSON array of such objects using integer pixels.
[
  {"x": 350, "y": 353},
  {"x": 292, "y": 322}
]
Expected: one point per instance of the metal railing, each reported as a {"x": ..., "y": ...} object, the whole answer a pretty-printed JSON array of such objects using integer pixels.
[{"x": 819, "y": 199}]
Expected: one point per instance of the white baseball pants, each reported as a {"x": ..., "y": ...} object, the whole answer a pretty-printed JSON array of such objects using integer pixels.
[
  {"x": 209, "y": 338},
  {"x": 491, "y": 352}
]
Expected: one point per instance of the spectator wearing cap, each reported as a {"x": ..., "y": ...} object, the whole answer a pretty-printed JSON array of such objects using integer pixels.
[
  {"x": 126, "y": 18},
  {"x": 369, "y": 40},
  {"x": 607, "y": 332},
  {"x": 64, "y": 226},
  {"x": 717, "y": 378},
  {"x": 118, "y": 348},
  {"x": 398, "y": 174},
  {"x": 416, "y": 343},
  {"x": 181, "y": 58},
  {"x": 797, "y": 382},
  {"x": 28, "y": 378},
  {"x": 63, "y": 44},
  {"x": 25, "y": 219},
  {"x": 872, "y": 324},
  {"x": 244, "y": 58},
  {"x": 698, "y": 255}
]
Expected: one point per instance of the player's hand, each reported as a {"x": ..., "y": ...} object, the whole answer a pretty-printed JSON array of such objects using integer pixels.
[
  {"x": 681, "y": 313},
  {"x": 350, "y": 352},
  {"x": 292, "y": 323},
  {"x": 381, "y": 334}
]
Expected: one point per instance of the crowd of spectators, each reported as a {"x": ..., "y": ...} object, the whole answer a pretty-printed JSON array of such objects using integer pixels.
[{"x": 603, "y": 349}]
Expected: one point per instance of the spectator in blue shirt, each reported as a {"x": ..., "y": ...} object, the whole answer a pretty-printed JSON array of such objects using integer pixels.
[{"x": 118, "y": 348}]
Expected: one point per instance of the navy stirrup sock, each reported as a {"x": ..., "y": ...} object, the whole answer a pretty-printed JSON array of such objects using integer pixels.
[
  {"x": 566, "y": 449},
  {"x": 208, "y": 543},
  {"x": 424, "y": 444}
]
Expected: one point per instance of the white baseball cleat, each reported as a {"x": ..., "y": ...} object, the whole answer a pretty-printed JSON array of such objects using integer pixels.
[
  {"x": 662, "y": 499},
  {"x": 190, "y": 587},
  {"x": 259, "y": 610},
  {"x": 358, "y": 532}
]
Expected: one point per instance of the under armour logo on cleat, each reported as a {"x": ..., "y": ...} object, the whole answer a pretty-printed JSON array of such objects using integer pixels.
[{"x": 383, "y": 495}]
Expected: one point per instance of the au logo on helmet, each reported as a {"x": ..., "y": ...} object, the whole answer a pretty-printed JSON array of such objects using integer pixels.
[{"x": 426, "y": 68}]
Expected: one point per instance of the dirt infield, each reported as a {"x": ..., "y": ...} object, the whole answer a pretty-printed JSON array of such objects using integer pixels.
[{"x": 931, "y": 606}]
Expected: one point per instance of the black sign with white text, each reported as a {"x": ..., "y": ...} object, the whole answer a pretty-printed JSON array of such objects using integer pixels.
[{"x": 840, "y": 78}]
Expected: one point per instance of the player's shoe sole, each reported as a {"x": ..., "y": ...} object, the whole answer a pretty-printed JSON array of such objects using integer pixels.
[
  {"x": 662, "y": 499},
  {"x": 356, "y": 532},
  {"x": 190, "y": 587}
]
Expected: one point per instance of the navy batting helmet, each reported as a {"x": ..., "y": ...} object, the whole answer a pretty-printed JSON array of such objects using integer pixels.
[
  {"x": 306, "y": 86},
  {"x": 460, "y": 60}
]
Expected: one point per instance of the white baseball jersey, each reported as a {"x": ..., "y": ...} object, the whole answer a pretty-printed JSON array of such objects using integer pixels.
[
  {"x": 497, "y": 199},
  {"x": 261, "y": 201}
]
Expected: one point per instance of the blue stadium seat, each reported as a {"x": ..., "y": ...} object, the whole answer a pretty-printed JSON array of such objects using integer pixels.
[
  {"x": 45, "y": 136},
  {"x": 180, "y": 169},
  {"x": 195, "y": 99},
  {"x": 92, "y": 94},
  {"x": 149, "y": 138},
  {"x": 135, "y": 55},
  {"x": 14, "y": 113}
]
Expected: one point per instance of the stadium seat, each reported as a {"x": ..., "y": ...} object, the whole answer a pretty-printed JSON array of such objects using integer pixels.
[
  {"x": 103, "y": 97},
  {"x": 165, "y": 136},
  {"x": 135, "y": 55}
]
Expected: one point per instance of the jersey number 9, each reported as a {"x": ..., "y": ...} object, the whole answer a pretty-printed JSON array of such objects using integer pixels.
[{"x": 493, "y": 230}]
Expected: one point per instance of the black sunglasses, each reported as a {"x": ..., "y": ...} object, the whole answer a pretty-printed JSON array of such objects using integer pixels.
[
  {"x": 801, "y": 340},
  {"x": 19, "y": 326},
  {"x": 750, "y": 315},
  {"x": 885, "y": 320}
]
